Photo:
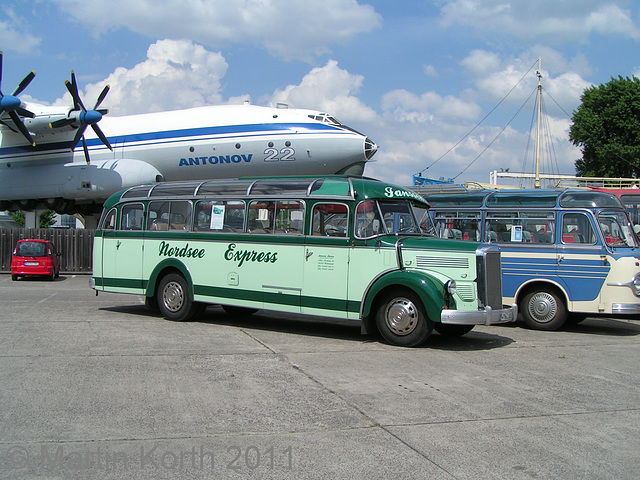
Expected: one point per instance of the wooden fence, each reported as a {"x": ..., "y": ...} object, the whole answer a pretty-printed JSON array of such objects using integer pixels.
[{"x": 74, "y": 245}]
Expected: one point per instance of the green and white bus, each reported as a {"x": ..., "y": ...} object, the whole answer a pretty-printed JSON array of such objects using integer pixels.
[{"x": 341, "y": 247}]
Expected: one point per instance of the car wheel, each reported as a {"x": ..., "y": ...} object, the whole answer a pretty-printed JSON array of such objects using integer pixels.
[
  {"x": 402, "y": 320},
  {"x": 452, "y": 330},
  {"x": 543, "y": 310},
  {"x": 14, "y": 277},
  {"x": 173, "y": 298}
]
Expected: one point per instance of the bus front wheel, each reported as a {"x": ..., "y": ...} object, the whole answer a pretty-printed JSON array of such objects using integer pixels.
[
  {"x": 402, "y": 321},
  {"x": 543, "y": 310},
  {"x": 173, "y": 298}
]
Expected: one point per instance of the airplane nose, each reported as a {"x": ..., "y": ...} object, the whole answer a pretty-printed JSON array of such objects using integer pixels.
[{"x": 370, "y": 148}]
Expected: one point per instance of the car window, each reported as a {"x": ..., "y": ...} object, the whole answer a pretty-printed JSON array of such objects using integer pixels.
[{"x": 31, "y": 249}]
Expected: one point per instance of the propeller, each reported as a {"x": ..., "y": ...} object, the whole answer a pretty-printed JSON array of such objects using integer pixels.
[
  {"x": 12, "y": 105},
  {"x": 84, "y": 117}
]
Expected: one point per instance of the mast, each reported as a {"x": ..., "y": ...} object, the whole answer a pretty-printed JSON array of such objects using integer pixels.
[{"x": 539, "y": 74}]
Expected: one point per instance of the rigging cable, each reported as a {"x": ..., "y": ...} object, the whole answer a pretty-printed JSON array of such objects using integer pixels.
[
  {"x": 496, "y": 137},
  {"x": 479, "y": 123}
]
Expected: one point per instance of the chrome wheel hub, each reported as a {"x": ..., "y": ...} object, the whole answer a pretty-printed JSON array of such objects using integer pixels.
[
  {"x": 173, "y": 296},
  {"x": 543, "y": 307},
  {"x": 401, "y": 316}
]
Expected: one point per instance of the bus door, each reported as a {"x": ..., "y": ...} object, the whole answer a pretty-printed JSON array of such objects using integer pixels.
[
  {"x": 326, "y": 260},
  {"x": 581, "y": 258},
  {"x": 278, "y": 266},
  {"x": 122, "y": 249}
]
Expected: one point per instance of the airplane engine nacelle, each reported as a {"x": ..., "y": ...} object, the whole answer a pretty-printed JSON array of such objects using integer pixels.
[{"x": 102, "y": 178}]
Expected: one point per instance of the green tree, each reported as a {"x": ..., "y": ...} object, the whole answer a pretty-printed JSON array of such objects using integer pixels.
[
  {"x": 606, "y": 127},
  {"x": 45, "y": 220}
]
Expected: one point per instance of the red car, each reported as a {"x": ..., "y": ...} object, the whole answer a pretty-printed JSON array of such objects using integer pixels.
[{"x": 35, "y": 257}]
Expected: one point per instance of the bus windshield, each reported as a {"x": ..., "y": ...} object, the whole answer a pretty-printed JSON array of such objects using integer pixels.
[
  {"x": 391, "y": 218},
  {"x": 616, "y": 229}
]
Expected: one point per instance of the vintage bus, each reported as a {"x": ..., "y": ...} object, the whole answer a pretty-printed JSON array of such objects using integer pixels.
[
  {"x": 566, "y": 253},
  {"x": 630, "y": 198},
  {"x": 341, "y": 247}
]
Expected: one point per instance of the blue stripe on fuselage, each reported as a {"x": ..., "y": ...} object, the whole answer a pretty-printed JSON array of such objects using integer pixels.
[{"x": 169, "y": 136}]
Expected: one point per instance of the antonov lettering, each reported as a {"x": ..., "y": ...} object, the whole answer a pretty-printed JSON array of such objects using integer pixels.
[
  {"x": 214, "y": 160},
  {"x": 242, "y": 256},
  {"x": 166, "y": 250}
]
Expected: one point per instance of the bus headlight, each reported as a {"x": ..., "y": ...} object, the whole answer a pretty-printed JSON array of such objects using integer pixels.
[
  {"x": 450, "y": 287},
  {"x": 635, "y": 285}
]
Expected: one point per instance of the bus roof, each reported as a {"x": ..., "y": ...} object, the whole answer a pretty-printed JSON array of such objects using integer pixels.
[
  {"x": 335, "y": 187},
  {"x": 538, "y": 198}
]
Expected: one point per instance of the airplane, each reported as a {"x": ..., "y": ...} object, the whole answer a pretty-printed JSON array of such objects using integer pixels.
[{"x": 42, "y": 166}]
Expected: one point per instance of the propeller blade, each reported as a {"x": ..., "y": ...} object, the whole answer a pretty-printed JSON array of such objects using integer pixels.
[
  {"x": 101, "y": 136},
  {"x": 22, "y": 128},
  {"x": 103, "y": 94},
  {"x": 61, "y": 123},
  {"x": 86, "y": 150},
  {"x": 23, "y": 112},
  {"x": 76, "y": 139},
  {"x": 23, "y": 84}
]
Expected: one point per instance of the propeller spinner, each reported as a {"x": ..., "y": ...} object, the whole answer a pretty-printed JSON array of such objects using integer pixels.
[
  {"x": 84, "y": 117},
  {"x": 12, "y": 105}
]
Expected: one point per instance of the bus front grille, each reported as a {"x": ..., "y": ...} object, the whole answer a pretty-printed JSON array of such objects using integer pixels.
[{"x": 489, "y": 276}]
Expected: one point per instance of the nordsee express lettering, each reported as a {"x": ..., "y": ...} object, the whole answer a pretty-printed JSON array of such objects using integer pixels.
[
  {"x": 166, "y": 250},
  {"x": 242, "y": 256},
  {"x": 214, "y": 160}
]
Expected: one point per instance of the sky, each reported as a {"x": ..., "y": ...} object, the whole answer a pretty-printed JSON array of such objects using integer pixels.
[{"x": 446, "y": 88}]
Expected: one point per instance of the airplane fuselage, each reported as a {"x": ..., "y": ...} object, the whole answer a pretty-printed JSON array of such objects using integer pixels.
[{"x": 198, "y": 143}]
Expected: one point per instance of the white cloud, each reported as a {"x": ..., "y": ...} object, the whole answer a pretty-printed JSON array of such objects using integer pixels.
[
  {"x": 286, "y": 28},
  {"x": 331, "y": 89},
  {"x": 430, "y": 71},
  {"x": 176, "y": 74},
  {"x": 14, "y": 34},
  {"x": 551, "y": 20}
]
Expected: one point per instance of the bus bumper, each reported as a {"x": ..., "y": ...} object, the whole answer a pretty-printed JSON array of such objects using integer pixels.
[{"x": 488, "y": 316}]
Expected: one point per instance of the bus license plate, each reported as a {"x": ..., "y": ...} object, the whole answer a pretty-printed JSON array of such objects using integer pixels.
[{"x": 506, "y": 316}]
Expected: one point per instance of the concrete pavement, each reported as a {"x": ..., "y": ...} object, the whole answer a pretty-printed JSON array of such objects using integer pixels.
[{"x": 99, "y": 387}]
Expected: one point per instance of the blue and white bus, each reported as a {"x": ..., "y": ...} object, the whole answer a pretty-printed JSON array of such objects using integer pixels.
[{"x": 566, "y": 254}]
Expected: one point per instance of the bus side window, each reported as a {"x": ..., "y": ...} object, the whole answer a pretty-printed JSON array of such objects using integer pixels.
[
  {"x": 260, "y": 216},
  {"x": 158, "y": 216},
  {"x": 289, "y": 218},
  {"x": 132, "y": 216},
  {"x": 576, "y": 228},
  {"x": 109, "y": 222},
  {"x": 180, "y": 215},
  {"x": 368, "y": 222},
  {"x": 331, "y": 220}
]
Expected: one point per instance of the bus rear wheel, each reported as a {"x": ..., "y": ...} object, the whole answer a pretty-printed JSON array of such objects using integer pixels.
[
  {"x": 174, "y": 301},
  {"x": 402, "y": 320},
  {"x": 543, "y": 310}
]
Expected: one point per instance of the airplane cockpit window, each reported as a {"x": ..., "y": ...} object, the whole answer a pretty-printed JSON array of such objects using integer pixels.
[{"x": 324, "y": 118}]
